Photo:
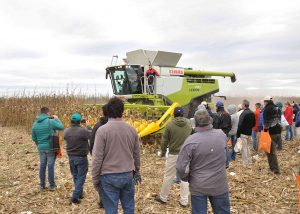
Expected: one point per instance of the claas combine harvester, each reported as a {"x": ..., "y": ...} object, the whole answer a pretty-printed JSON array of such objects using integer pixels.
[{"x": 155, "y": 96}]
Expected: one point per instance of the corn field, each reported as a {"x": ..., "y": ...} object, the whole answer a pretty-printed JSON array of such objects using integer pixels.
[{"x": 21, "y": 111}]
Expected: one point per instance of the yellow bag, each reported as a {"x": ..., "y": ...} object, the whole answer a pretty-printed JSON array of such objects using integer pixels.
[{"x": 265, "y": 142}]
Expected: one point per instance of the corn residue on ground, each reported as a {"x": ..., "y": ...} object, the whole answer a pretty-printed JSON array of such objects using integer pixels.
[{"x": 253, "y": 189}]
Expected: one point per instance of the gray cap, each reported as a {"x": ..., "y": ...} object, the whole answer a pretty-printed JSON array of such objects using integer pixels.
[{"x": 202, "y": 118}]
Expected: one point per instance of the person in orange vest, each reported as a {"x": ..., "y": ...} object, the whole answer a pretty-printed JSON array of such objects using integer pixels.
[{"x": 255, "y": 128}]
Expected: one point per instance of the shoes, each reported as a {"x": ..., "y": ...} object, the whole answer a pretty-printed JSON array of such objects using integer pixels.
[
  {"x": 279, "y": 148},
  {"x": 183, "y": 206},
  {"x": 157, "y": 198},
  {"x": 75, "y": 201},
  {"x": 43, "y": 188},
  {"x": 53, "y": 188},
  {"x": 81, "y": 196},
  {"x": 101, "y": 205}
]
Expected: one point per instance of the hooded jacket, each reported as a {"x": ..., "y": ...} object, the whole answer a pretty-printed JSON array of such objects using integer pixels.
[
  {"x": 202, "y": 161},
  {"x": 222, "y": 120},
  {"x": 42, "y": 128},
  {"x": 175, "y": 134},
  {"x": 271, "y": 119},
  {"x": 232, "y": 110}
]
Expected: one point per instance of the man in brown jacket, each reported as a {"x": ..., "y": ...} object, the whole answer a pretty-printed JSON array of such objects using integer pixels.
[{"x": 116, "y": 160}]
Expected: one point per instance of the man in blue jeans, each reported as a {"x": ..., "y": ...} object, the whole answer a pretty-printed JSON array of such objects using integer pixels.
[
  {"x": 116, "y": 160},
  {"x": 201, "y": 162},
  {"x": 77, "y": 140},
  {"x": 42, "y": 128}
]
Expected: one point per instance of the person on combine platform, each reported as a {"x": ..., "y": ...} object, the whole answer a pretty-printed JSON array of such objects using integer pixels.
[
  {"x": 42, "y": 128},
  {"x": 173, "y": 138},
  {"x": 246, "y": 123},
  {"x": 201, "y": 162},
  {"x": 116, "y": 160},
  {"x": 77, "y": 140},
  {"x": 271, "y": 123},
  {"x": 151, "y": 73}
]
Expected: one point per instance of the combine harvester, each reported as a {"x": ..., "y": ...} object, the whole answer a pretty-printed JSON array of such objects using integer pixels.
[{"x": 175, "y": 86}]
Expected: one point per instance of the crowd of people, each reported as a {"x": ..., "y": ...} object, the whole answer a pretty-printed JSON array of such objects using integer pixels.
[{"x": 196, "y": 151}]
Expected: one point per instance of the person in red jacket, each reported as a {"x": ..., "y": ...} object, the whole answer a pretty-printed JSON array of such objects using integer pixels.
[
  {"x": 255, "y": 128},
  {"x": 288, "y": 114},
  {"x": 151, "y": 73}
]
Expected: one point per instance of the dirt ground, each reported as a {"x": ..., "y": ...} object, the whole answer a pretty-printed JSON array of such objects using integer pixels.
[{"x": 253, "y": 189}]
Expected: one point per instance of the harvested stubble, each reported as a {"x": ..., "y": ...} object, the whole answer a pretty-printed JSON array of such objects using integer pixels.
[{"x": 252, "y": 190}]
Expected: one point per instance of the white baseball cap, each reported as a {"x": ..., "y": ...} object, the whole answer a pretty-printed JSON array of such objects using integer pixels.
[
  {"x": 204, "y": 103},
  {"x": 268, "y": 98}
]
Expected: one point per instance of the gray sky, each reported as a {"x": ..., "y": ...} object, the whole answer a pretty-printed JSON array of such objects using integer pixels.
[{"x": 52, "y": 45}]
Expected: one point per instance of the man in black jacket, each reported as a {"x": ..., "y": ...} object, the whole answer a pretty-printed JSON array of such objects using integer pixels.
[
  {"x": 221, "y": 119},
  {"x": 272, "y": 118},
  {"x": 77, "y": 140},
  {"x": 246, "y": 123},
  {"x": 103, "y": 120}
]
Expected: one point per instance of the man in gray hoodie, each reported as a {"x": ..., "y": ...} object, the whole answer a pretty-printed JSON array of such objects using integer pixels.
[
  {"x": 201, "y": 162},
  {"x": 232, "y": 110},
  {"x": 174, "y": 136}
]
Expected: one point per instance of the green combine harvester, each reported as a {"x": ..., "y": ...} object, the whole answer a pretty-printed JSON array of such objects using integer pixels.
[{"x": 176, "y": 86}]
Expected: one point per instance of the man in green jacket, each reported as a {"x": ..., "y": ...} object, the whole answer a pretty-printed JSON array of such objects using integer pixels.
[
  {"x": 42, "y": 128},
  {"x": 173, "y": 138}
]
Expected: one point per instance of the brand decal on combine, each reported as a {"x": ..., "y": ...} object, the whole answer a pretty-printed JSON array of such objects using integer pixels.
[{"x": 176, "y": 72}]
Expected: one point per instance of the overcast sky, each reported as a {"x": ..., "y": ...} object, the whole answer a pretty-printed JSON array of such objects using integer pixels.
[{"x": 52, "y": 45}]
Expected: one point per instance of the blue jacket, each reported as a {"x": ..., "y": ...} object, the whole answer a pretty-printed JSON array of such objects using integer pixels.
[
  {"x": 261, "y": 121},
  {"x": 41, "y": 130}
]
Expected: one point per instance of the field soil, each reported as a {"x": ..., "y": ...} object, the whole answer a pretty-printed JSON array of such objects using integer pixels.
[{"x": 253, "y": 189}]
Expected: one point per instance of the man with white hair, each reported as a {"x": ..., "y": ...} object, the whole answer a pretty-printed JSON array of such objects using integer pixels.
[{"x": 201, "y": 162}]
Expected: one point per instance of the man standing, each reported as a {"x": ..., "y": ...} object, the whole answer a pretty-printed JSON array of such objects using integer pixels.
[
  {"x": 116, "y": 160},
  {"x": 246, "y": 123},
  {"x": 201, "y": 162},
  {"x": 271, "y": 123},
  {"x": 103, "y": 120},
  {"x": 173, "y": 138},
  {"x": 234, "y": 125},
  {"x": 288, "y": 114},
  {"x": 77, "y": 149},
  {"x": 222, "y": 120},
  {"x": 255, "y": 128},
  {"x": 42, "y": 128},
  {"x": 151, "y": 73}
]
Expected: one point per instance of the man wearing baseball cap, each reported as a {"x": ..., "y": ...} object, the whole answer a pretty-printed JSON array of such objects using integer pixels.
[
  {"x": 271, "y": 123},
  {"x": 173, "y": 138},
  {"x": 77, "y": 140}
]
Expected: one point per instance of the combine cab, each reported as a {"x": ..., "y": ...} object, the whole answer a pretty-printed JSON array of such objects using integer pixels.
[{"x": 175, "y": 85}]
